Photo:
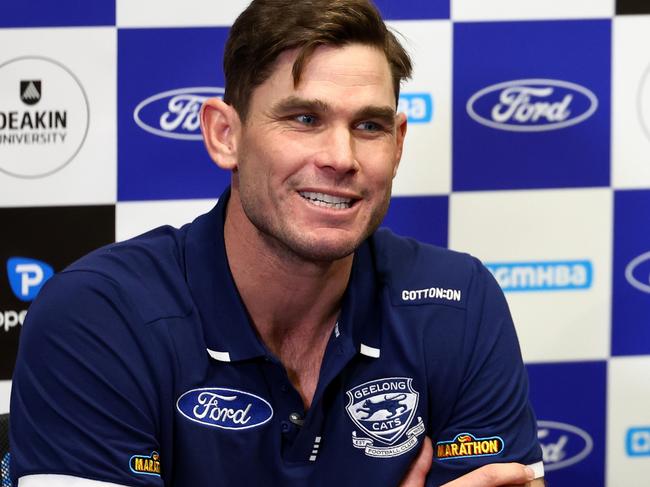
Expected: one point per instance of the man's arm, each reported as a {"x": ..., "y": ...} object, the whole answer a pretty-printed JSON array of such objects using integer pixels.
[
  {"x": 492, "y": 475},
  {"x": 82, "y": 400}
]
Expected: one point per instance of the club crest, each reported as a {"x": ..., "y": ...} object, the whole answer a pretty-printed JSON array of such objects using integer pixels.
[{"x": 384, "y": 409}]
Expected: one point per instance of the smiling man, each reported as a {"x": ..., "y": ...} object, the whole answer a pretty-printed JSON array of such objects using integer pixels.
[{"x": 281, "y": 339}]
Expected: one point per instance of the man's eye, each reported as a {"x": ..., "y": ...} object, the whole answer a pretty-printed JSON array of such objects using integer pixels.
[
  {"x": 370, "y": 126},
  {"x": 306, "y": 119}
]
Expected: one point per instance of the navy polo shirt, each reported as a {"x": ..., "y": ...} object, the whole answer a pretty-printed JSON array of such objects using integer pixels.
[{"x": 138, "y": 365}]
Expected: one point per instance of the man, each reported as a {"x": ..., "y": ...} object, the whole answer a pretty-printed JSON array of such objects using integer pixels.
[{"x": 280, "y": 340}]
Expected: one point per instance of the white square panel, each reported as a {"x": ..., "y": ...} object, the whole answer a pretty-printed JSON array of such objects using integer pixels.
[
  {"x": 563, "y": 239},
  {"x": 5, "y": 396},
  {"x": 58, "y": 127},
  {"x": 425, "y": 168},
  {"x": 628, "y": 421},
  {"x": 134, "y": 218},
  {"x": 631, "y": 102},
  {"x": 527, "y": 9},
  {"x": 166, "y": 13}
]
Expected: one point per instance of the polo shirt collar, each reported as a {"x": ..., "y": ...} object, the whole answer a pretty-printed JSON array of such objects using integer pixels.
[{"x": 228, "y": 332}]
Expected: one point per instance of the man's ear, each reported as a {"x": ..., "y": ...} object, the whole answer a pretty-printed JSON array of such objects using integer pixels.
[
  {"x": 221, "y": 128},
  {"x": 400, "y": 128}
]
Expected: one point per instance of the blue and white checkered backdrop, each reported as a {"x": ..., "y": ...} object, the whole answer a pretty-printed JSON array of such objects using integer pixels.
[{"x": 528, "y": 146}]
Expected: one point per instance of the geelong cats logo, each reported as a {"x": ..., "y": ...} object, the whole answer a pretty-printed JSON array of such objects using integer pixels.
[{"x": 384, "y": 411}]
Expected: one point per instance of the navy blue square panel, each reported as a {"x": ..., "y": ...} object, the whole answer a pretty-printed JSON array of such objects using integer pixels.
[
  {"x": 164, "y": 75},
  {"x": 424, "y": 218},
  {"x": 531, "y": 104},
  {"x": 631, "y": 283},
  {"x": 59, "y": 13},
  {"x": 413, "y": 9},
  {"x": 569, "y": 400}
]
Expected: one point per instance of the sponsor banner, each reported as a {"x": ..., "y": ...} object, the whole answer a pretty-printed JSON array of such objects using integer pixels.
[
  {"x": 631, "y": 96},
  {"x": 425, "y": 168},
  {"x": 413, "y": 9},
  {"x": 62, "y": 13},
  {"x": 631, "y": 292},
  {"x": 57, "y": 117},
  {"x": 160, "y": 150},
  {"x": 534, "y": 99},
  {"x": 632, "y": 7},
  {"x": 571, "y": 420},
  {"x": 628, "y": 433},
  {"x": 168, "y": 13},
  {"x": 517, "y": 10},
  {"x": 550, "y": 251},
  {"x": 133, "y": 218},
  {"x": 37, "y": 242},
  {"x": 421, "y": 217}
]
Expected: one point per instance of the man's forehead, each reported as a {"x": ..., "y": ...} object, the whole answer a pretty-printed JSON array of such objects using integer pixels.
[
  {"x": 350, "y": 60},
  {"x": 347, "y": 66}
]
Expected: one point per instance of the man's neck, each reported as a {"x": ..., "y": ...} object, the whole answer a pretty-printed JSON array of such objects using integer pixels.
[{"x": 293, "y": 303}]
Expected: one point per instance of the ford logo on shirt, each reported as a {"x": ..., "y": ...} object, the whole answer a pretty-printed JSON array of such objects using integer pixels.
[
  {"x": 562, "y": 444},
  {"x": 174, "y": 114},
  {"x": 224, "y": 408},
  {"x": 532, "y": 105}
]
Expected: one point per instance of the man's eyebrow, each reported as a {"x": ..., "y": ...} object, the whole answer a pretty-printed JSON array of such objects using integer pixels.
[
  {"x": 385, "y": 114},
  {"x": 292, "y": 103}
]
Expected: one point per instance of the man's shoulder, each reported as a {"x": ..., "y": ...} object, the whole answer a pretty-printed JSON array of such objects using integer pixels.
[
  {"x": 163, "y": 245},
  {"x": 421, "y": 273},
  {"x": 148, "y": 270}
]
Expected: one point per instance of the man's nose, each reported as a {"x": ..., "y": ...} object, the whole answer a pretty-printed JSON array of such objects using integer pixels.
[{"x": 338, "y": 152}]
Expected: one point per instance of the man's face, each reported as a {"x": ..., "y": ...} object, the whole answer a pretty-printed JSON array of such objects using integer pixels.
[{"x": 316, "y": 161}]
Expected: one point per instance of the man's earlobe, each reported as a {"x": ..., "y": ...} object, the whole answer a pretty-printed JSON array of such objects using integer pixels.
[{"x": 220, "y": 127}]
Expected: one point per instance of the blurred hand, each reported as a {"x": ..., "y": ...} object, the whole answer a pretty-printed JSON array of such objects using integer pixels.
[{"x": 417, "y": 474}]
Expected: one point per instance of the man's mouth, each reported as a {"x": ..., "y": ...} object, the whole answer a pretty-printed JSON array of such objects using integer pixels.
[{"x": 326, "y": 200}]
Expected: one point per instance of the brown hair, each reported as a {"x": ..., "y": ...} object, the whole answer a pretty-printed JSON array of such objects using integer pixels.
[{"x": 268, "y": 27}]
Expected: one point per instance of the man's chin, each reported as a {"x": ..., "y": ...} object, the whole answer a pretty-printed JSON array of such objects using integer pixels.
[{"x": 325, "y": 251}]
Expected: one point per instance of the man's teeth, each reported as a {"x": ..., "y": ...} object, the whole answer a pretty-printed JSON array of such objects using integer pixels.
[{"x": 327, "y": 200}]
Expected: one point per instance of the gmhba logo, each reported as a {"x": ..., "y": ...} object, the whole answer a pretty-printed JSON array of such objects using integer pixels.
[
  {"x": 637, "y": 441},
  {"x": 175, "y": 113},
  {"x": 542, "y": 275},
  {"x": 532, "y": 105},
  {"x": 44, "y": 116}
]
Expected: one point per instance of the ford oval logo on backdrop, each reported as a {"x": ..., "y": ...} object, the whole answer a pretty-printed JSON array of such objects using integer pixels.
[
  {"x": 174, "y": 114},
  {"x": 637, "y": 272},
  {"x": 224, "y": 408},
  {"x": 532, "y": 105},
  {"x": 562, "y": 444}
]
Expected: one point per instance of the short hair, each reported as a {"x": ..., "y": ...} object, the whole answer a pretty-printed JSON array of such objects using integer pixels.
[{"x": 269, "y": 27}]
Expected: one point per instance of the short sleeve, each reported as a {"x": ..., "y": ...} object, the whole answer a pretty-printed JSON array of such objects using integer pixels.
[
  {"x": 491, "y": 420},
  {"x": 83, "y": 400}
]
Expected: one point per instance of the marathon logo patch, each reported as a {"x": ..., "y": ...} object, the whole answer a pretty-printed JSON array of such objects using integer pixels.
[
  {"x": 466, "y": 445},
  {"x": 146, "y": 464}
]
